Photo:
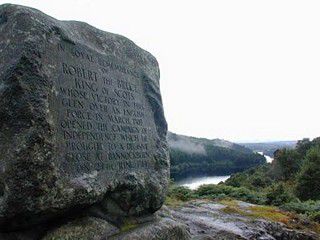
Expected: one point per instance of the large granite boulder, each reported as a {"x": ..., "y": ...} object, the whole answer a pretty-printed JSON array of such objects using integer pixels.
[{"x": 81, "y": 122}]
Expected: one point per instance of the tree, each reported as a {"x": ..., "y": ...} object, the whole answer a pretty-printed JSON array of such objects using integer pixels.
[
  {"x": 303, "y": 146},
  {"x": 308, "y": 181},
  {"x": 286, "y": 164},
  {"x": 278, "y": 195}
]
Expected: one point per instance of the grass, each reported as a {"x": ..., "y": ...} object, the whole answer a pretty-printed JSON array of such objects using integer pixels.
[
  {"x": 256, "y": 211},
  {"x": 173, "y": 202}
]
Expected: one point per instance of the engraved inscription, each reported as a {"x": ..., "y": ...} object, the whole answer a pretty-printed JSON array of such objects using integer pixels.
[{"x": 104, "y": 121}]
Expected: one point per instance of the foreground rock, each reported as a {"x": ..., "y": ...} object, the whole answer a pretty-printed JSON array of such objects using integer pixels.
[
  {"x": 92, "y": 228},
  {"x": 218, "y": 221},
  {"x": 198, "y": 220},
  {"x": 81, "y": 122}
]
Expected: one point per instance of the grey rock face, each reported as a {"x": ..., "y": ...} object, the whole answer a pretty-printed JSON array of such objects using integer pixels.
[
  {"x": 97, "y": 229},
  {"x": 81, "y": 121},
  {"x": 84, "y": 228},
  {"x": 208, "y": 220}
]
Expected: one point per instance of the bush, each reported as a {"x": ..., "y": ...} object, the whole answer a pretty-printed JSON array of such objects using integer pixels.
[
  {"x": 315, "y": 216},
  {"x": 311, "y": 209},
  {"x": 254, "y": 179},
  {"x": 212, "y": 189},
  {"x": 180, "y": 193},
  {"x": 307, "y": 207},
  {"x": 240, "y": 193},
  {"x": 278, "y": 195},
  {"x": 260, "y": 181}
]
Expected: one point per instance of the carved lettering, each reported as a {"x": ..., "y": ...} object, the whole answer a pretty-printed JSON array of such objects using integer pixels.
[{"x": 103, "y": 117}]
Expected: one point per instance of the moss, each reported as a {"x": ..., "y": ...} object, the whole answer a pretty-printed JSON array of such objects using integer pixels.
[
  {"x": 232, "y": 210},
  {"x": 269, "y": 213},
  {"x": 128, "y": 226},
  {"x": 229, "y": 202},
  {"x": 256, "y": 211},
  {"x": 232, "y": 207}
]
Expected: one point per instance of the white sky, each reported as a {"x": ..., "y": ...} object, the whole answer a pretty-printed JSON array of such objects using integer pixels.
[{"x": 238, "y": 70}]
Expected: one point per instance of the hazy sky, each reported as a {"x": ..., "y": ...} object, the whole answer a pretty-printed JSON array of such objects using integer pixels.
[{"x": 238, "y": 70}]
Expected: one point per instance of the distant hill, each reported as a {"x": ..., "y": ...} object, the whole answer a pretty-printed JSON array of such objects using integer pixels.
[
  {"x": 192, "y": 156},
  {"x": 268, "y": 148}
]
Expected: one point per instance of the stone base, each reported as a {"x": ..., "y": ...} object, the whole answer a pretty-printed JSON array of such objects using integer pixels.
[
  {"x": 92, "y": 228},
  {"x": 164, "y": 228}
]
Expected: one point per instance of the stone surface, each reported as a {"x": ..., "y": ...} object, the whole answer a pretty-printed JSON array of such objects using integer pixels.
[
  {"x": 97, "y": 229},
  {"x": 81, "y": 121},
  {"x": 198, "y": 220},
  {"x": 84, "y": 228},
  {"x": 209, "y": 220},
  {"x": 194, "y": 220},
  {"x": 162, "y": 229}
]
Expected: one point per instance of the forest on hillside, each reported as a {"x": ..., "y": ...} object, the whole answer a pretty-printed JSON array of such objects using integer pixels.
[{"x": 191, "y": 156}]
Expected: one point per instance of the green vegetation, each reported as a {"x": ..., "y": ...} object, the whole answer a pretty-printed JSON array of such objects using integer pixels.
[
  {"x": 212, "y": 191},
  {"x": 222, "y": 191},
  {"x": 291, "y": 182},
  {"x": 308, "y": 180},
  {"x": 177, "y": 195},
  {"x": 128, "y": 224},
  {"x": 198, "y": 157}
]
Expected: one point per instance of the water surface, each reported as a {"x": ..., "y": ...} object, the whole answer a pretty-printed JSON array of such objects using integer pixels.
[
  {"x": 194, "y": 183},
  {"x": 268, "y": 158}
]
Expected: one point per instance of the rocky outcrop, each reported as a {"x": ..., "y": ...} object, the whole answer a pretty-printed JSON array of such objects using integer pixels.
[
  {"x": 92, "y": 228},
  {"x": 97, "y": 229},
  {"x": 214, "y": 220},
  {"x": 196, "y": 220}
]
